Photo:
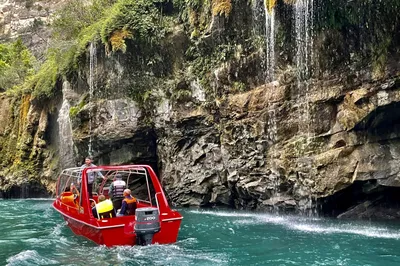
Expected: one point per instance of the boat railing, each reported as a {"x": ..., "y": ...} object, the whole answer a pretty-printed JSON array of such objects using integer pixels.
[
  {"x": 132, "y": 172},
  {"x": 158, "y": 206},
  {"x": 145, "y": 201},
  {"x": 74, "y": 172}
]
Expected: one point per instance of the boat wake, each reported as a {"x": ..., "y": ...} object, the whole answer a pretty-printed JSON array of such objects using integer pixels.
[
  {"x": 173, "y": 254},
  {"x": 368, "y": 231},
  {"x": 306, "y": 224}
]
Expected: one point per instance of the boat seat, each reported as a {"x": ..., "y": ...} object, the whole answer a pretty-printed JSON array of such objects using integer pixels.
[
  {"x": 68, "y": 198},
  {"x": 117, "y": 202},
  {"x": 109, "y": 214}
]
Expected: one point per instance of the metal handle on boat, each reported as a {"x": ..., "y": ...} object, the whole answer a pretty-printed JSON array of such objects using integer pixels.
[
  {"x": 102, "y": 185},
  {"x": 158, "y": 206},
  {"x": 90, "y": 200}
]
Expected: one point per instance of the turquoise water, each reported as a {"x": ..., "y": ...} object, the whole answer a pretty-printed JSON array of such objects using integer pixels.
[{"x": 32, "y": 233}]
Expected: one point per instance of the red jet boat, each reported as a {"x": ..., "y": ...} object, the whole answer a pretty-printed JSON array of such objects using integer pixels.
[{"x": 154, "y": 221}]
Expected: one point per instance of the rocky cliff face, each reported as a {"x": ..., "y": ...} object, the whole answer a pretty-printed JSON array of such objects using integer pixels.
[
  {"x": 27, "y": 153},
  {"x": 319, "y": 133},
  {"x": 28, "y": 20}
]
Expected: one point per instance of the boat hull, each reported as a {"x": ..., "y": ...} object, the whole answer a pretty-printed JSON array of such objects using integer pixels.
[{"x": 117, "y": 231}]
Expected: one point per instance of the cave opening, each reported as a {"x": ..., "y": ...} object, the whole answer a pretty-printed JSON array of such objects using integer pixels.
[
  {"x": 139, "y": 149},
  {"x": 381, "y": 123},
  {"x": 363, "y": 200},
  {"x": 27, "y": 190}
]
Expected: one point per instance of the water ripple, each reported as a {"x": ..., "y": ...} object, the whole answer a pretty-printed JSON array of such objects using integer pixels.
[
  {"x": 39, "y": 236},
  {"x": 29, "y": 257}
]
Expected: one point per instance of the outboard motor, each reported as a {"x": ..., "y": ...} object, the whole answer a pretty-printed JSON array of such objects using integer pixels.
[{"x": 147, "y": 224}]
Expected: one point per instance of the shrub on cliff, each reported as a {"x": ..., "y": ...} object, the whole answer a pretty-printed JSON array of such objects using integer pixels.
[
  {"x": 139, "y": 19},
  {"x": 76, "y": 15},
  {"x": 16, "y": 64}
]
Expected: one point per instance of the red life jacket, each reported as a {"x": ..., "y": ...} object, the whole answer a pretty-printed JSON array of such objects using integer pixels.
[{"x": 131, "y": 206}]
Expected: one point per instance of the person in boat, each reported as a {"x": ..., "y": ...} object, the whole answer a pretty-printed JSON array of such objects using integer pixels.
[
  {"x": 75, "y": 192},
  {"x": 117, "y": 188},
  {"x": 129, "y": 204},
  {"x": 91, "y": 177},
  {"x": 103, "y": 209},
  {"x": 70, "y": 196}
]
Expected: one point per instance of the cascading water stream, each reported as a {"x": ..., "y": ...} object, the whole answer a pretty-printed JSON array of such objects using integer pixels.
[
  {"x": 269, "y": 6},
  {"x": 65, "y": 134},
  {"x": 92, "y": 85},
  {"x": 304, "y": 27},
  {"x": 304, "y": 24},
  {"x": 272, "y": 137},
  {"x": 270, "y": 36}
]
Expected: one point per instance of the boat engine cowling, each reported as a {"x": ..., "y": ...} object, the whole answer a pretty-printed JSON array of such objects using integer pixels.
[{"x": 147, "y": 224}]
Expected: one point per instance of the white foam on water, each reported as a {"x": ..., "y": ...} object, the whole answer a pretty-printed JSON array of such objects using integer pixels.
[
  {"x": 29, "y": 257},
  {"x": 308, "y": 225},
  {"x": 223, "y": 214},
  {"x": 36, "y": 241},
  {"x": 62, "y": 240},
  {"x": 258, "y": 216},
  {"x": 373, "y": 232},
  {"x": 57, "y": 229},
  {"x": 170, "y": 255},
  {"x": 189, "y": 240},
  {"x": 48, "y": 213}
]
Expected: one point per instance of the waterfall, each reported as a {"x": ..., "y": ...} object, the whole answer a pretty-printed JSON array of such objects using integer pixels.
[
  {"x": 66, "y": 146},
  {"x": 92, "y": 87},
  {"x": 269, "y": 7},
  {"x": 272, "y": 125},
  {"x": 304, "y": 27}
]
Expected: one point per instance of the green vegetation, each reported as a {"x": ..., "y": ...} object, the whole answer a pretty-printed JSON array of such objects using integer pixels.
[
  {"x": 238, "y": 87},
  {"x": 141, "y": 29},
  {"x": 74, "y": 110},
  {"x": 16, "y": 64},
  {"x": 140, "y": 19},
  {"x": 140, "y": 91},
  {"x": 115, "y": 23},
  {"x": 222, "y": 7},
  {"x": 79, "y": 23},
  {"x": 76, "y": 16},
  {"x": 367, "y": 31},
  {"x": 44, "y": 81},
  {"x": 108, "y": 21},
  {"x": 205, "y": 61}
]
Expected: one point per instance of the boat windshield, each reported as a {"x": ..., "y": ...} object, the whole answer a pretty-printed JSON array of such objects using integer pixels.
[
  {"x": 68, "y": 180},
  {"x": 136, "y": 179}
]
